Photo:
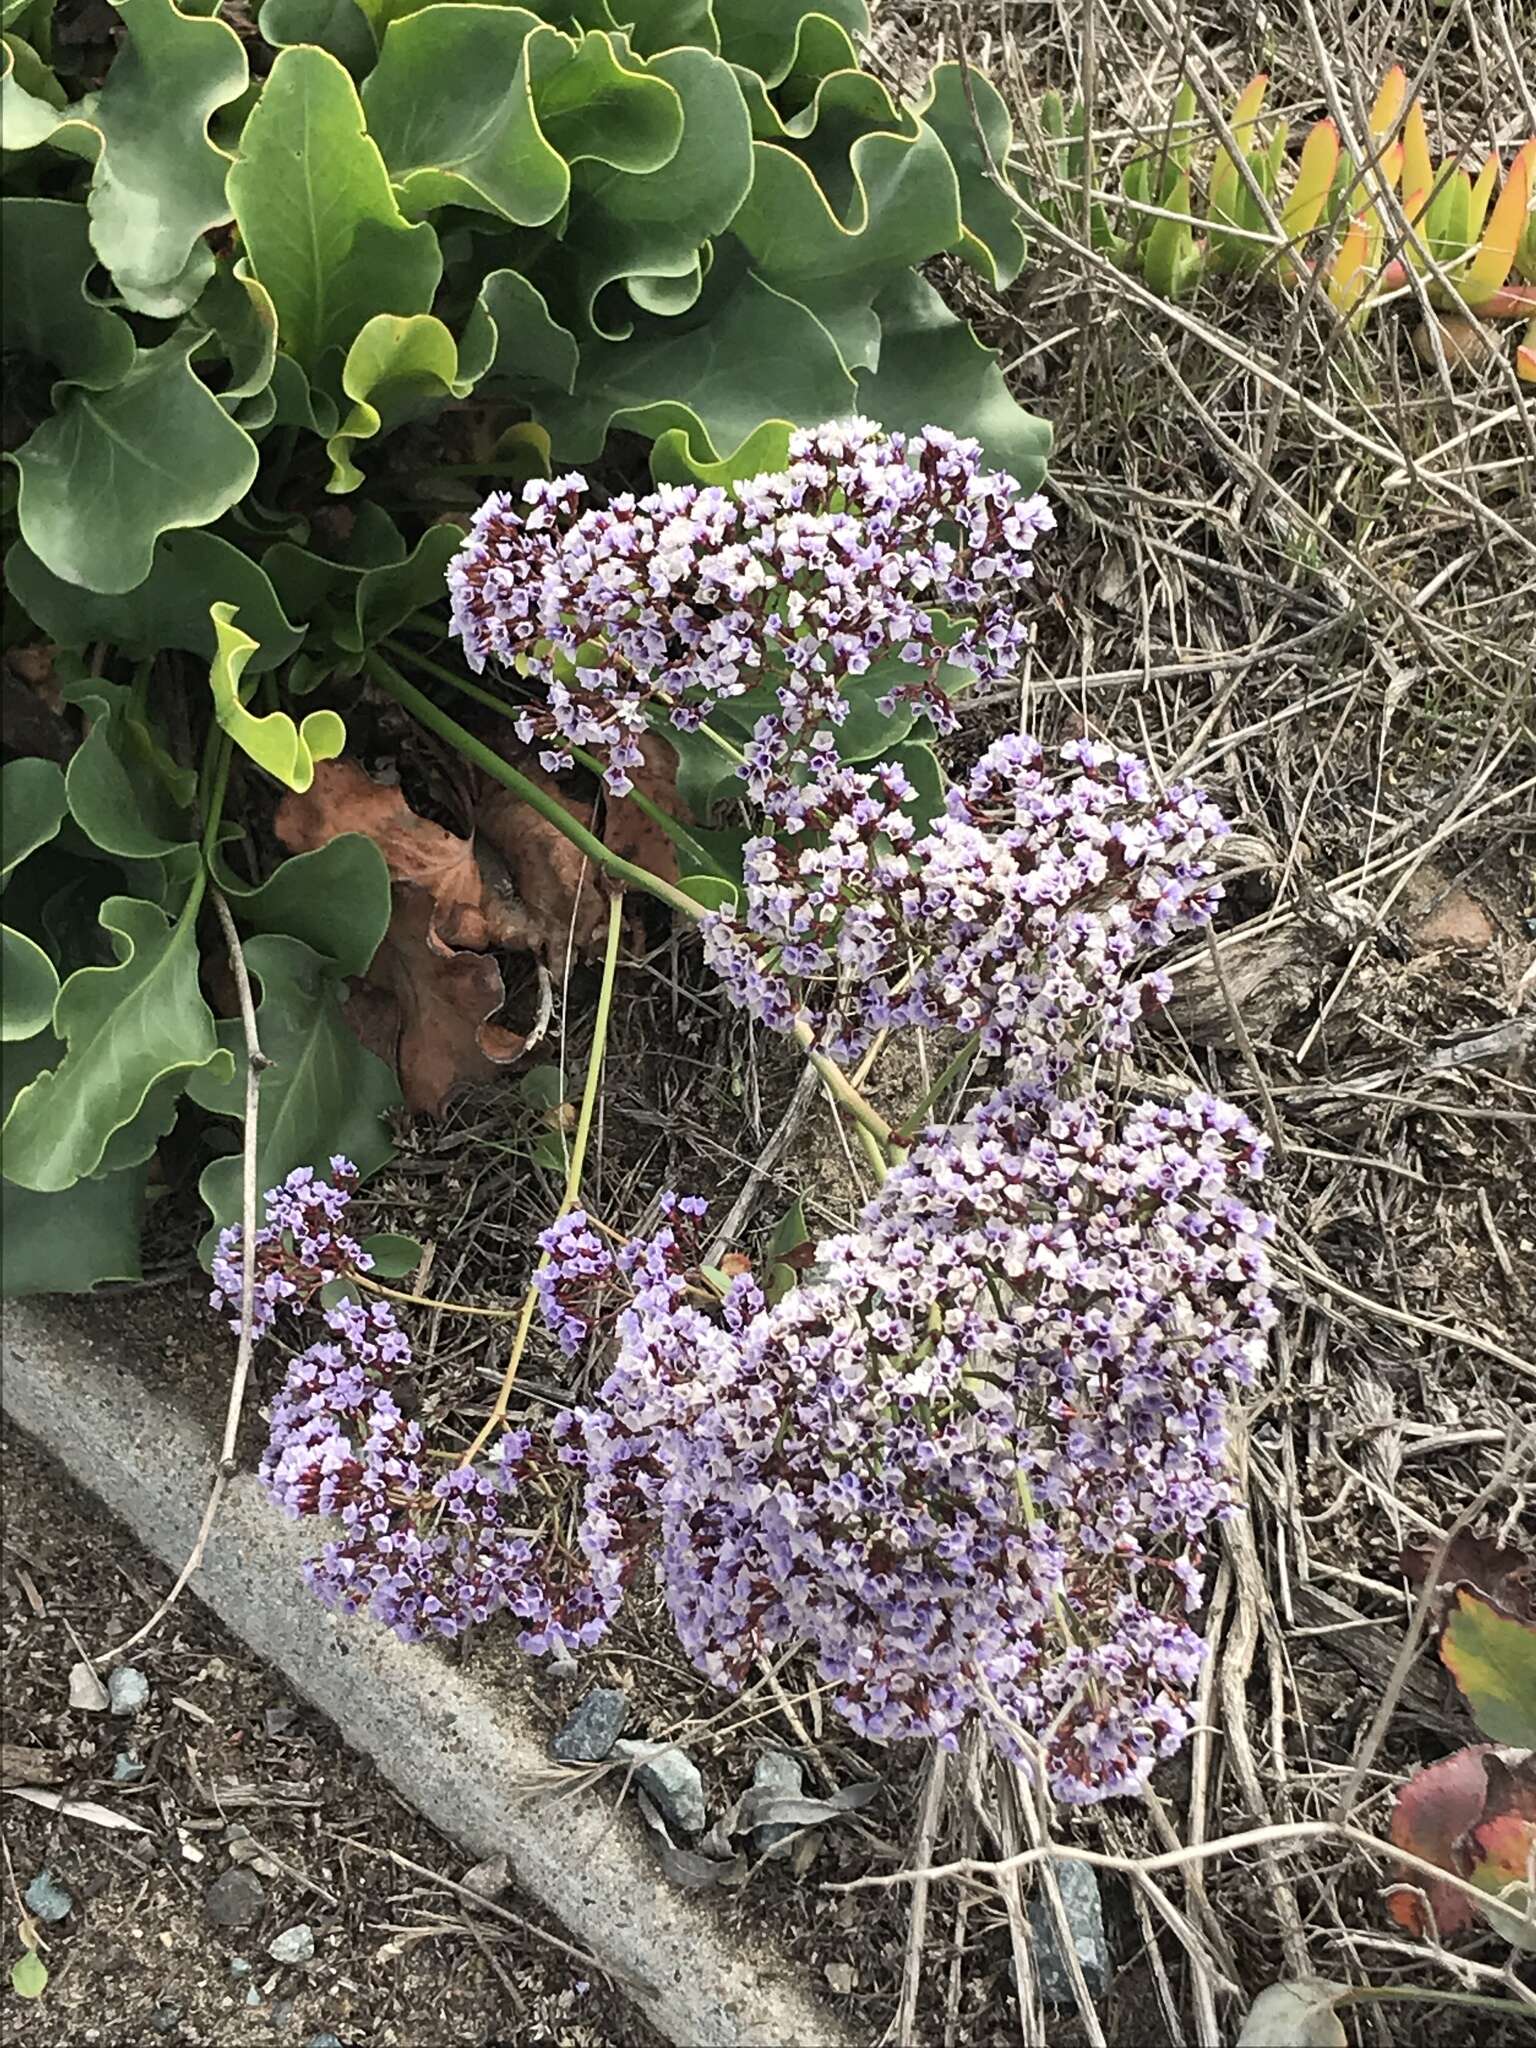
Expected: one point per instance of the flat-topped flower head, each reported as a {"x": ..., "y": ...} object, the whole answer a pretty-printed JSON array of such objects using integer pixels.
[
  {"x": 866, "y": 547},
  {"x": 1023, "y": 915}
]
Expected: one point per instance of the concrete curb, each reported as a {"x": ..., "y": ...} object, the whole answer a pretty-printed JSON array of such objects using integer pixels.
[{"x": 460, "y": 1753}]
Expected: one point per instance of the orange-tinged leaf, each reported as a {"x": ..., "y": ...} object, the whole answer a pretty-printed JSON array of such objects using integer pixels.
[
  {"x": 1498, "y": 1852},
  {"x": 1525, "y": 356},
  {"x": 1349, "y": 272},
  {"x": 1418, "y": 170},
  {"x": 1389, "y": 101},
  {"x": 1482, "y": 192},
  {"x": 1226, "y": 181},
  {"x": 1492, "y": 1657},
  {"x": 1314, "y": 181},
  {"x": 1434, "y": 1809},
  {"x": 1501, "y": 237}
]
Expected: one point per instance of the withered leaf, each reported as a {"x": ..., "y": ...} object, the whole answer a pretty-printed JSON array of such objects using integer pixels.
[
  {"x": 1505, "y": 1576},
  {"x": 445, "y": 1000}
]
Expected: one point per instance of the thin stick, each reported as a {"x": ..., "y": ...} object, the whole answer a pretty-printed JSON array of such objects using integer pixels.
[
  {"x": 922, "y": 1857},
  {"x": 256, "y": 1063},
  {"x": 572, "y": 1193}
]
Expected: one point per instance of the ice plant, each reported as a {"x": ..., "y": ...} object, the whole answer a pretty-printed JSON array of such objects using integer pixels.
[
  {"x": 973, "y": 1462},
  {"x": 860, "y": 551}
]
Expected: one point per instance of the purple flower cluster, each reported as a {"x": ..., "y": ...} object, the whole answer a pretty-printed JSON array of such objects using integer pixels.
[
  {"x": 425, "y": 1554},
  {"x": 1020, "y": 914},
  {"x": 868, "y": 545},
  {"x": 973, "y": 1461}
]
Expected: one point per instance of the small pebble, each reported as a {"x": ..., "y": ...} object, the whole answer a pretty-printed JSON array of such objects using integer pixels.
[
  {"x": 780, "y": 1773},
  {"x": 671, "y": 1780},
  {"x": 47, "y": 1898},
  {"x": 165, "y": 2019},
  {"x": 490, "y": 1878},
  {"x": 240, "y": 1967},
  {"x": 322, "y": 2041},
  {"x": 87, "y": 1694},
  {"x": 589, "y": 1735},
  {"x": 1085, "y": 1916},
  {"x": 253, "y": 1996},
  {"x": 126, "y": 1768},
  {"x": 127, "y": 1689},
  {"x": 293, "y": 1945},
  {"x": 235, "y": 1900},
  {"x": 842, "y": 1978}
]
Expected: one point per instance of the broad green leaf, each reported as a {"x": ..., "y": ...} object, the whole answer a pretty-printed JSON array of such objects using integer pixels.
[
  {"x": 323, "y": 1092},
  {"x": 339, "y": 26},
  {"x": 714, "y": 892},
  {"x": 64, "y": 1243},
  {"x": 765, "y": 450},
  {"x": 905, "y": 207},
  {"x": 31, "y": 115},
  {"x": 238, "y": 312},
  {"x": 31, "y": 809},
  {"x": 921, "y": 765},
  {"x": 398, "y": 367},
  {"x": 1492, "y": 1657},
  {"x": 125, "y": 792},
  {"x": 758, "y": 356},
  {"x": 134, "y": 1032},
  {"x": 316, "y": 213},
  {"x": 336, "y": 900},
  {"x": 765, "y": 35},
  {"x": 475, "y": 139},
  {"x": 113, "y": 470},
  {"x": 394, "y": 1257},
  {"x": 790, "y": 1235},
  {"x": 159, "y": 183},
  {"x": 650, "y": 224},
  {"x": 46, "y": 310},
  {"x": 298, "y": 403},
  {"x": 934, "y": 372},
  {"x": 287, "y": 751},
  {"x": 992, "y": 239},
  {"x": 388, "y": 595},
  {"x": 189, "y": 572},
  {"x": 513, "y": 335},
  {"x": 29, "y": 986},
  {"x": 31, "y": 74}
]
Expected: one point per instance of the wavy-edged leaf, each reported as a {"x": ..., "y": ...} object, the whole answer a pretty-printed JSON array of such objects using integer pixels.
[
  {"x": 934, "y": 372},
  {"x": 319, "y": 220},
  {"x": 32, "y": 807},
  {"x": 189, "y": 572},
  {"x": 757, "y": 356},
  {"x": 64, "y": 1243},
  {"x": 125, "y": 792},
  {"x": 991, "y": 239},
  {"x": 673, "y": 461},
  {"x": 241, "y": 320},
  {"x": 322, "y": 1094},
  {"x": 339, "y": 26},
  {"x": 113, "y": 470},
  {"x": 513, "y": 342},
  {"x": 134, "y": 1032},
  {"x": 29, "y": 986},
  {"x": 159, "y": 183},
  {"x": 31, "y": 115},
  {"x": 287, "y": 751},
  {"x": 46, "y": 311},
  {"x": 398, "y": 367},
  {"x": 649, "y": 225},
  {"x": 335, "y": 899},
  {"x": 905, "y": 208},
  {"x": 765, "y": 35},
  {"x": 1492, "y": 1657}
]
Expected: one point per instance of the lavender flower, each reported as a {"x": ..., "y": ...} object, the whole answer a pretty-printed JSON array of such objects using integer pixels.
[
  {"x": 1021, "y": 915},
  {"x": 973, "y": 1463},
  {"x": 690, "y": 596}
]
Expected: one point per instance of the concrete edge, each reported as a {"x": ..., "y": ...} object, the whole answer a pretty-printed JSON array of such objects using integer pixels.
[{"x": 460, "y": 1754}]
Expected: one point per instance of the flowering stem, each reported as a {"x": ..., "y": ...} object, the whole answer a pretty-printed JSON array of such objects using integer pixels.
[
  {"x": 549, "y": 807},
  {"x": 572, "y": 1195}
]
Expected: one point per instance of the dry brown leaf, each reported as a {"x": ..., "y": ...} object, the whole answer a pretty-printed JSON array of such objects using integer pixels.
[
  {"x": 445, "y": 1000},
  {"x": 628, "y": 832},
  {"x": 552, "y": 880},
  {"x": 472, "y": 907}
]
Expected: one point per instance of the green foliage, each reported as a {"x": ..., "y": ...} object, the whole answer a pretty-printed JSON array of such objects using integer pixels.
[
  {"x": 1492, "y": 1657},
  {"x": 271, "y": 330}
]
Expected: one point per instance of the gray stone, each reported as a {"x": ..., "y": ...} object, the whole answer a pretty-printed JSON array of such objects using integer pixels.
[
  {"x": 87, "y": 1694},
  {"x": 589, "y": 1735},
  {"x": 239, "y": 1967},
  {"x": 671, "y": 1781},
  {"x": 127, "y": 1689},
  {"x": 126, "y": 1768},
  {"x": 165, "y": 2019},
  {"x": 235, "y": 1900},
  {"x": 293, "y": 1945},
  {"x": 253, "y": 1996},
  {"x": 1085, "y": 1917},
  {"x": 777, "y": 1772},
  {"x": 47, "y": 1898},
  {"x": 323, "y": 2041}
]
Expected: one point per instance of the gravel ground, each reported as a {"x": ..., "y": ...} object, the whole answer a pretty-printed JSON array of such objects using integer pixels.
[{"x": 242, "y": 1795}]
